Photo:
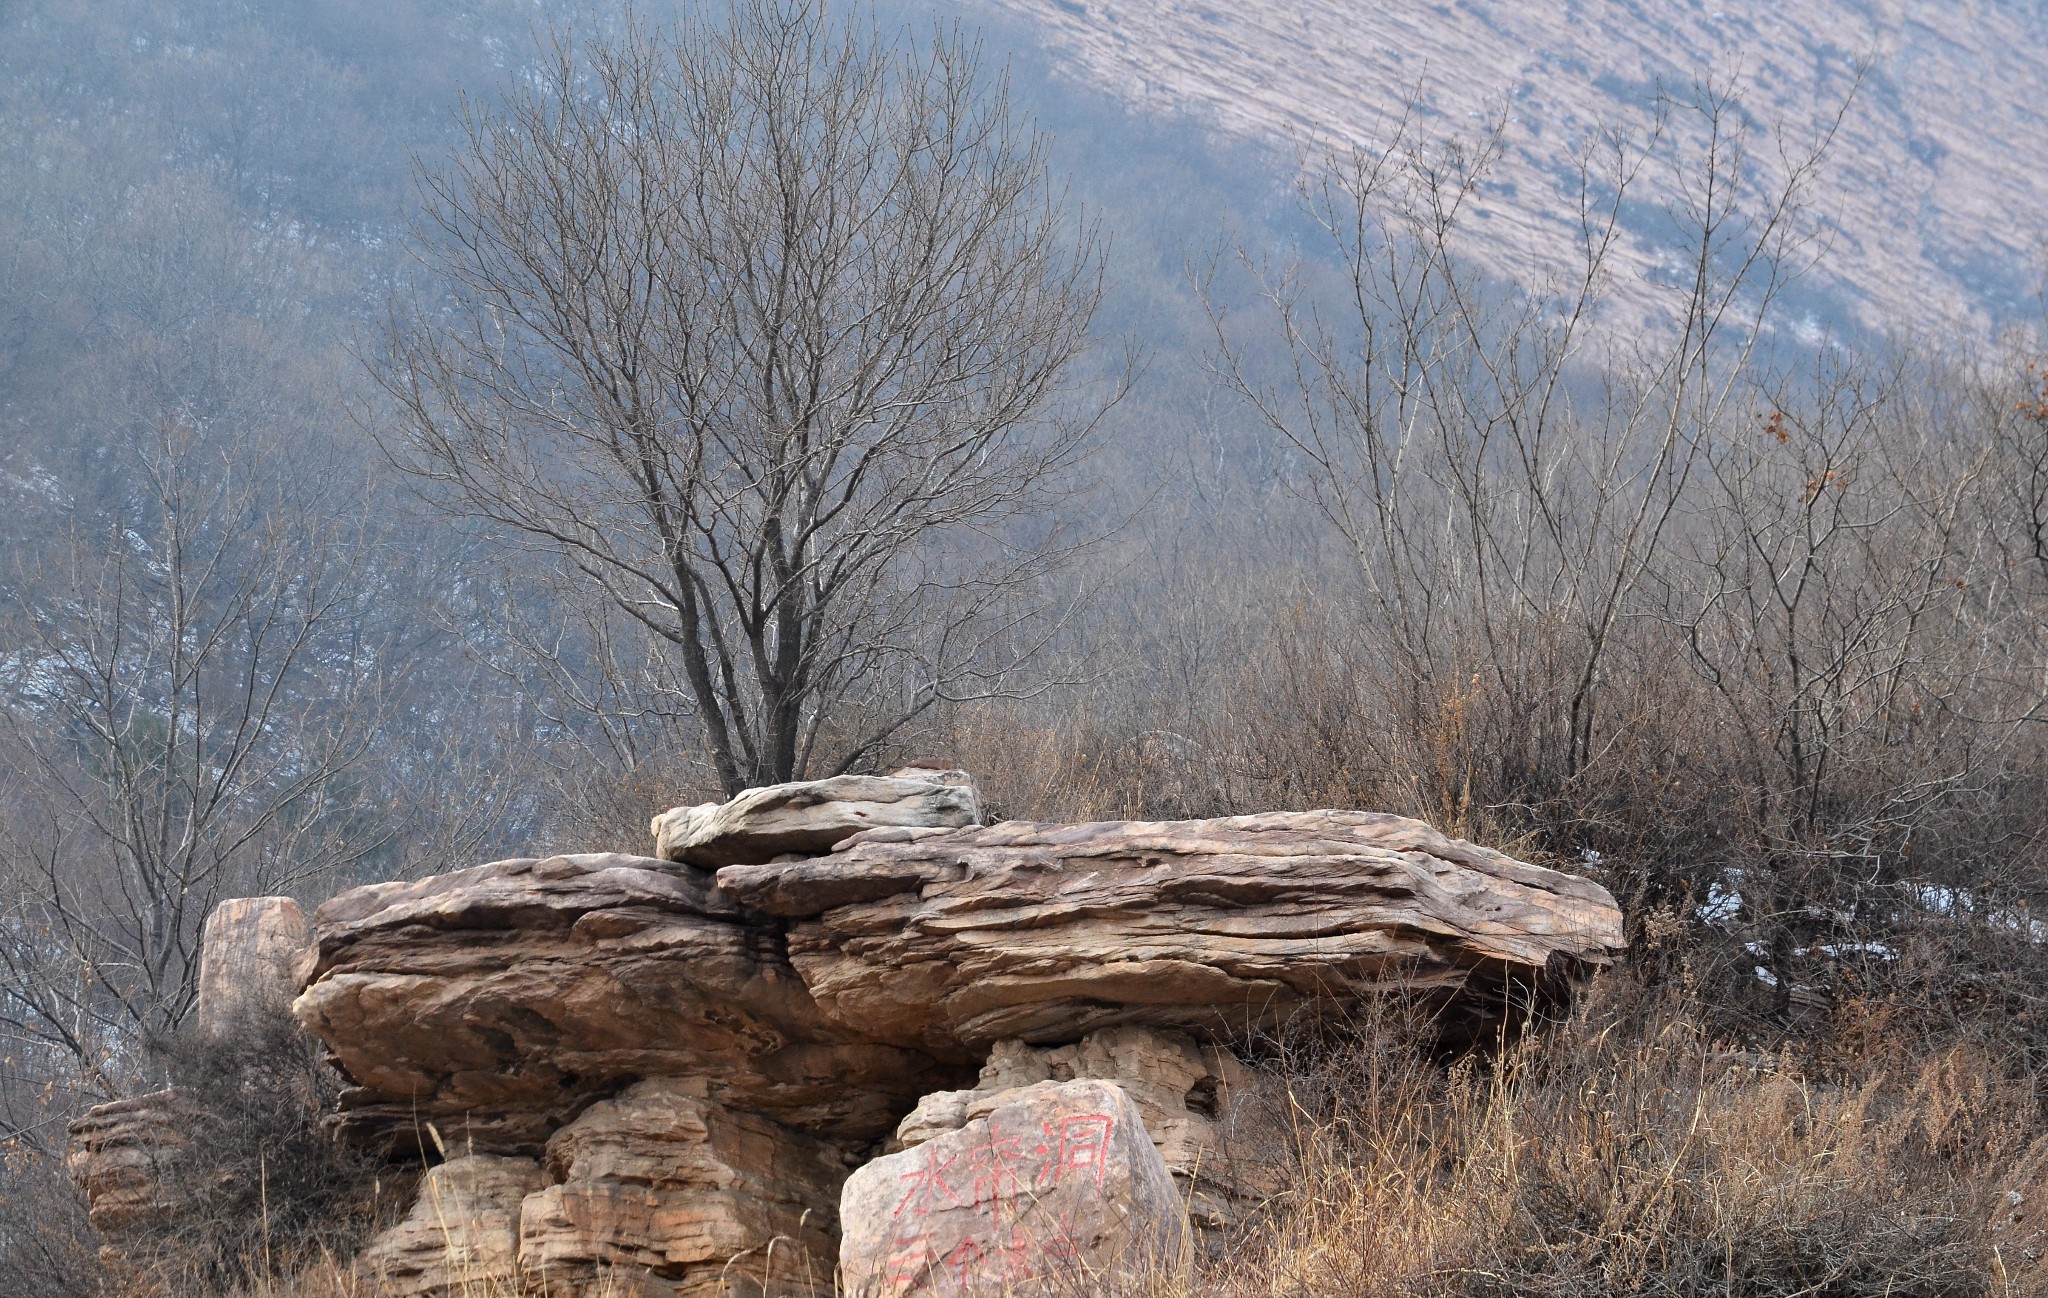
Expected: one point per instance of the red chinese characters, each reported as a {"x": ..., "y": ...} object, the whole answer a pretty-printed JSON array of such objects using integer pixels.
[
  {"x": 1061, "y": 1182},
  {"x": 930, "y": 1189},
  {"x": 1001, "y": 1183},
  {"x": 1079, "y": 1143}
]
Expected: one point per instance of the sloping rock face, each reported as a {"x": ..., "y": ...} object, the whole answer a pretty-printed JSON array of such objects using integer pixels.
[
  {"x": 665, "y": 1187},
  {"x": 1056, "y": 1186},
  {"x": 811, "y": 816},
  {"x": 497, "y": 1003},
  {"x": 949, "y": 941}
]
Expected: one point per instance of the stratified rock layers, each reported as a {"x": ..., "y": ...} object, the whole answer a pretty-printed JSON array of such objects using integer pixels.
[
  {"x": 664, "y": 1183},
  {"x": 948, "y": 941},
  {"x": 249, "y": 962},
  {"x": 497, "y": 1003},
  {"x": 119, "y": 1155},
  {"x": 462, "y": 1235},
  {"x": 654, "y": 1080}
]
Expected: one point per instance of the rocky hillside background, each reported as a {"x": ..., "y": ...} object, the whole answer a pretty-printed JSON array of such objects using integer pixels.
[{"x": 1926, "y": 200}]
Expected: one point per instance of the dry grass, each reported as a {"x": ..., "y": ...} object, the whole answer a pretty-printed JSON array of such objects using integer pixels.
[{"x": 1626, "y": 1152}]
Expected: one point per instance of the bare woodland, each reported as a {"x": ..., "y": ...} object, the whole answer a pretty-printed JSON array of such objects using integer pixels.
[{"x": 755, "y": 399}]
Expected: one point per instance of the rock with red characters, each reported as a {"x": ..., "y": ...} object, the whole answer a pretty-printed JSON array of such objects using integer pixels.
[{"x": 1058, "y": 1187}]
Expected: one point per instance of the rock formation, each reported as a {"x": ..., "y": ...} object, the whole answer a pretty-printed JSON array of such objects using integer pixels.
[
  {"x": 666, "y": 1184},
  {"x": 125, "y": 1155},
  {"x": 811, "y": 816},
  {"x": 948, "y": 941},
  {"x": 248, "y": 961},
  {"x": 1221, "y": 1128},
  {"x": 645, "y": 1077},
  {"x": 498, "y": 1002},
  {"x": 462, "y": 1235},
  {"x": 121, "y": 1154},
  {"x": 1055, "y": 1186}
]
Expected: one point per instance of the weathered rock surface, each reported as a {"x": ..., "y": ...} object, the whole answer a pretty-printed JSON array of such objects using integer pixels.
[
  {"x": 120, "y": 1154},
  {"x": 499, "y": 1002},
  {"x": 462, "y": 1235},
  {"x": 1056, "y": 1187},
  {"x": 665, "y": 1190},
  {"x": 248, "y": 965},
  {"x": 1221, "y": 1129},
  {"x": 949, "y": 941},
  {"x": 811, "y": 816}
]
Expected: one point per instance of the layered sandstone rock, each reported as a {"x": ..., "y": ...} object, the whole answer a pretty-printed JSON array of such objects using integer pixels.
[
  {"x": 656, "y": 1077},
  {"x": 1056, "y": 1187},
  {"x": 462, "y": 1235},
  {"x": 499, "y": 1002},
  {"x": 122, "y": 1154},
  {"x": 248, "y": 965},
  {"x": 949, "y": 941},
  {"x": 664, "y": 1191},
  {"x": 811, "y": 816},
  {"x": 1221, "y": 1128}
]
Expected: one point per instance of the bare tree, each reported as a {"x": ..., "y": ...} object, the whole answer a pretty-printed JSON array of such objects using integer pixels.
[
  {"x": 1504, "y": 464},
  {"x": 764, "y": 327},
  {"x": 190, "y": 684}
]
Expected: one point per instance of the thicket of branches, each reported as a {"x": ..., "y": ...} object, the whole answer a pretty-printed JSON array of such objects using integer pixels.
[{"x": 763, "y": 329}]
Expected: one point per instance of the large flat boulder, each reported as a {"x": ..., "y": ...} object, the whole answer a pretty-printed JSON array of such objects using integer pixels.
[
  {"x": 811, "y": 816},
  {"x": 1056, "y": 1190},
  {"x": 495, "y": 1004},
  {"x": 949, "y": 941}
]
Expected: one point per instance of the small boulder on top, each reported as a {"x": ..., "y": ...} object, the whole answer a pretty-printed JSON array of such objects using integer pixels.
[{"x": 811, "y": 817}]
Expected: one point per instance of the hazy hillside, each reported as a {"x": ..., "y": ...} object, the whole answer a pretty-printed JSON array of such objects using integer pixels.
[{"x": 1933, "y": 189}]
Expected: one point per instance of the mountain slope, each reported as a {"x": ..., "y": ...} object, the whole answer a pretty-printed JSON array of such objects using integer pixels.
[{"x": 1933, "y": 192}]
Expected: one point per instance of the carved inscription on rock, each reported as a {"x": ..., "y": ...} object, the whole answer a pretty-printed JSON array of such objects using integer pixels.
[{"x": 1059, "y": 1186}]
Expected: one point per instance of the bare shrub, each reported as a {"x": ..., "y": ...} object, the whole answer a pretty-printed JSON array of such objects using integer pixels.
[{"x": 262, "y": 1190}]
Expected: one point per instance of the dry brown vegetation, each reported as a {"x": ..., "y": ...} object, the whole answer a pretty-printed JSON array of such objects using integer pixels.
[{"x": 1629, "y": 1152}]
